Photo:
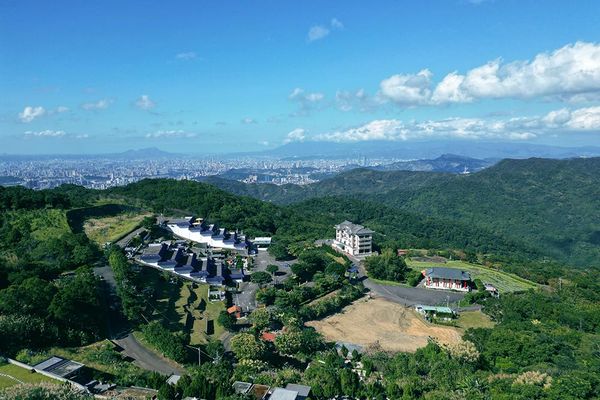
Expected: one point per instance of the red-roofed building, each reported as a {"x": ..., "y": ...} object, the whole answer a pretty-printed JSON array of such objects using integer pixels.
[
  {"x": 235, "y": 310},
  {"x": 268, "y": 337}
]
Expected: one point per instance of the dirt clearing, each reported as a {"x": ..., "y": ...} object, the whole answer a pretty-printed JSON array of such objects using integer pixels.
[{"x": 395, "y": 327}]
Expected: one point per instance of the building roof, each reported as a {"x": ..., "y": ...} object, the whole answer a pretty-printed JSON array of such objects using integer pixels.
[
  {"x": 443, "y": 310},
  {"x": 262, "y": 240},
  {"x": 154, "y": 249},
  {"x": 259, "y": 391},
  {"x": 59, "y": 366},
  {"x": 241, "y": 387},
  {"x": 234, "y": 309},
  {"x": 354, "y": 228},
  {"x": 448, "y": 273},
  {"x": 283, "y": 394},
  {"x": 268, "y": 337},
  {"x": 302, "y": 390},
  {"x": 173, "y": 379}
]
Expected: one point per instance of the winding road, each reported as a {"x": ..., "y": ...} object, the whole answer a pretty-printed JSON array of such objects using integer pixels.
[{"x": 119, "y": 331}]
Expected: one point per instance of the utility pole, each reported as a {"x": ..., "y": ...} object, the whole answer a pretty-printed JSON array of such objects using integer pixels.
[{"x": 199, "y": 353}]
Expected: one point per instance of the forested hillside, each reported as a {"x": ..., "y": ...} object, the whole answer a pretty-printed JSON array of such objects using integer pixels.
[{"x": 549, "y": 205}]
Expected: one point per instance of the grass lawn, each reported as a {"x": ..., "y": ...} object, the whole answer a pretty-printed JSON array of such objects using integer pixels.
[
  {"x": 504, "y": 281},
  {"x": 110, "y": 229},
  {"x": 182, "y": 305},
  {"x": 474, "y": 319},
  {"x": 20, "y": 375}
]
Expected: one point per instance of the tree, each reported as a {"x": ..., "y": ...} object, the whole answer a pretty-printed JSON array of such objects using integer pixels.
[
  {"x": 29, "y": 297},
  {"x": 387, "y": 266},
  {"x": 261, "y": 278},
  {"x": 272, "y": 269},
  {"x": 261, "y": 318},
  {"x": 246, "y": 346},
  {"x": 215, "y": 349},
  {"x": 227, "y": 320},
  {"x": 77, "y": 303},
  {"x": 279, "y": 251},
  {"x": 289, "y": 342},
  {"x": 167, "y": 392}
]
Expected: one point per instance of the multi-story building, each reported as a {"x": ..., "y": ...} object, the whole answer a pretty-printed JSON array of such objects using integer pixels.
[{"x": 353, "y": 239}]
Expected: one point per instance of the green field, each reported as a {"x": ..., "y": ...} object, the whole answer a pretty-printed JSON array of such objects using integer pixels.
[
  {"x": 20, "y": 375},
  {"x": 504, "y": 281},
  {"x": 183, "y": 306},
  {"x": 474, "y": 319},
  {"x": 111, "y": 229}
]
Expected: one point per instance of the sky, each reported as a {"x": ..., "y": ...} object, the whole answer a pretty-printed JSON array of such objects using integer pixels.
[{"x": 229, "y": 76}]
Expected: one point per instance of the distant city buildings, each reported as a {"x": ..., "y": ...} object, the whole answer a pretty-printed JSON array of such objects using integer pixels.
[
  {"x": 353, "y": 239},
  {"x": 97, "y": 172}
]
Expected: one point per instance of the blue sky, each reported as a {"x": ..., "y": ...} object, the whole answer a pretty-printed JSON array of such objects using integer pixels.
[{"x": 206, "y": 77}]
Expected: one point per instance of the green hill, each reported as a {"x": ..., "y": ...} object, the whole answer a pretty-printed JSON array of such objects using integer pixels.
[{"x": 550, "y": 205}]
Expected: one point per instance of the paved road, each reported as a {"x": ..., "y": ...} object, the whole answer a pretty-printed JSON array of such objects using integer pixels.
[
  {"x": 145, "y": 358},
  {"x": 125, "y": 241},
  {"x": 119, "y": 331},
  {"x": 410, "y": 296}
]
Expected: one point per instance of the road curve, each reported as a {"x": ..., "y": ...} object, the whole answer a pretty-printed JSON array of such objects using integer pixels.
[{"x": 119, "y": 331}]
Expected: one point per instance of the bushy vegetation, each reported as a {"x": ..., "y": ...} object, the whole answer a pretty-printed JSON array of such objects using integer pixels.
[
  {"x": 169, "y": 343},
  {"x": 387, "y": 266}
]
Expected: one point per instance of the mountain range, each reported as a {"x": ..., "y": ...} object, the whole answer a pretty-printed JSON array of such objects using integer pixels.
[{"x": 550, "y": 205}]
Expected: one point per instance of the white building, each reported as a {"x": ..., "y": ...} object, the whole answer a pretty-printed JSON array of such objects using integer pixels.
[
  {"x": 197, "y": 230},
  {"x": 353, "y": 239}
]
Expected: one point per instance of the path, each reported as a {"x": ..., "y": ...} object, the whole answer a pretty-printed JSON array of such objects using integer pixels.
[
  {"x": 127, "y": 238},
  {"x": 120, "y": 332}
]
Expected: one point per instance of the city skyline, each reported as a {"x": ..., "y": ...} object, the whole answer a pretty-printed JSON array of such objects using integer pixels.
[{"x": 225, "y": 78}]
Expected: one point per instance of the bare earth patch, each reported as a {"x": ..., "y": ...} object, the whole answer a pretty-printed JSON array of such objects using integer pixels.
[{"x": 393, "y": 326}]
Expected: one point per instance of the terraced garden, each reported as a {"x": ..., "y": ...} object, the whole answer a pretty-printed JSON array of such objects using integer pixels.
[{"x": 504, "y": 281}]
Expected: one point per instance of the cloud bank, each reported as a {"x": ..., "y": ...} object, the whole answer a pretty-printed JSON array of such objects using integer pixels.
[
  {"x": 571, "y": 73},
  {"x": 517, "y": 128}
]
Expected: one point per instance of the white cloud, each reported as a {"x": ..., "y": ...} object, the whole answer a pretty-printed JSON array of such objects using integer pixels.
[
  {"x": 45, "y": 133},
  {"x": 317, "y": 32},
  {"x": 306, "y": 101},
  {"x": 248, "y": 121},
  {"x": 336, "y": 24},
  {"x": 97, "y": 105},
  {"x": 561, "y": 121},
  {"x": 355, "y": 100},
  {"x": 145, "y": 103},
  {"x": 570, "y": 73},
  {"x": 30, "y": 113},
  {"x": 61, "y": 109},
  {"x": 584, "y": 119},
  {"x": 186, "y": 56},
  {"x": 410, "y": 89},
  {"x": 297, "y": 135},
  {"x": 170, "y": 134}
]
